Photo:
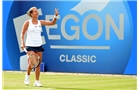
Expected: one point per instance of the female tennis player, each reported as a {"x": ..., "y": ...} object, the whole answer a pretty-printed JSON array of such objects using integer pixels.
[{"x": 34, "y": 40}]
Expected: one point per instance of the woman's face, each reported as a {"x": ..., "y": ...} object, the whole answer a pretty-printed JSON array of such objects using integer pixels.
[{"x": 34, "y": 13}]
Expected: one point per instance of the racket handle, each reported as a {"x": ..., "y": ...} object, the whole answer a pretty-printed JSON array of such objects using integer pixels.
[{"x": 25, "y": 50}]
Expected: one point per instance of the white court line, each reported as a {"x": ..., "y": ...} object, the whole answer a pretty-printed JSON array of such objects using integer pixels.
[{"x": 85, "y": 74}]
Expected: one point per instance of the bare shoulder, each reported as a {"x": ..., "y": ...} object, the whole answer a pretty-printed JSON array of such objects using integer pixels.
[
  {"x": 26, "y": 23},
  {"x": 42, "y": 22}
]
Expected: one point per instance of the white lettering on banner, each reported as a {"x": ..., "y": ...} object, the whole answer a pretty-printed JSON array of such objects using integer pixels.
[
  {"x": 78, "y": 58},
  {"x": 109, "y": 22},
  {"x": 76, "y": 36},
  {"x": 119, "y": 31}
]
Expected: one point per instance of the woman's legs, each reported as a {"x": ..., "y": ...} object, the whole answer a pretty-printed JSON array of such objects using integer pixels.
[
  {"x": 37, "y": 70},
  {"x": 27, "y": 75},
  {"x": 29, "y": 69}
]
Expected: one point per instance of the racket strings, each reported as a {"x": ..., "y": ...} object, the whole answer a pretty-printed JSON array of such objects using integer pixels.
[{"x": 34, "y": 60}]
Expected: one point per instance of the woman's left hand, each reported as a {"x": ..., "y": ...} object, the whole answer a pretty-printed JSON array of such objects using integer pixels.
[{"x": 56, "y": 12}]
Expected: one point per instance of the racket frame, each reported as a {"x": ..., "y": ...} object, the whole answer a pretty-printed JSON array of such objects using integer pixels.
[{"x": 38, "y": 59}]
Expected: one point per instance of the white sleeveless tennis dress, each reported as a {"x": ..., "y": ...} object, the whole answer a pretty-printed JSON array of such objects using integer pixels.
[{"x": 34, "y": 34}]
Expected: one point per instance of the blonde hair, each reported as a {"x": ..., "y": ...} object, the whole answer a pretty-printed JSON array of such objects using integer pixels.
[{"x": 30, "y": 11}]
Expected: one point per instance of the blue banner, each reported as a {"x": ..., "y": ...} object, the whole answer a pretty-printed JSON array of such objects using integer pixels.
[{"x": 90, "y": 36}]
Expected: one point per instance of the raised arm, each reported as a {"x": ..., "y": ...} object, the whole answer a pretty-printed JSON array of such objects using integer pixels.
[
  {"x": 43, "y": 22},
  {"x": 24, "y": 29}
]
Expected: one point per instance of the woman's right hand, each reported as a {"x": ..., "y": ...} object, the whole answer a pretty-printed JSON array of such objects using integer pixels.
[{"x": 22, "y": 46}]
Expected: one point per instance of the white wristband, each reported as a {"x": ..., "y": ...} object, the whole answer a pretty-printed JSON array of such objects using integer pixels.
[
  {"x": 25, "y": 50},
  {"x": 55, "y": 16}
]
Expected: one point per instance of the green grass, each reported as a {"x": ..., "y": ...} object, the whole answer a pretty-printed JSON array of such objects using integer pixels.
[{"x": 57, "y": 81}]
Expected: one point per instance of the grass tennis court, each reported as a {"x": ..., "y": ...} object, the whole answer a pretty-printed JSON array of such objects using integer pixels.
[{"x": 68, "y": 81}]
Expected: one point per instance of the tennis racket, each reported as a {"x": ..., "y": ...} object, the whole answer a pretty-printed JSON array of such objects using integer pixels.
[{"x": 33, "y": 59}]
